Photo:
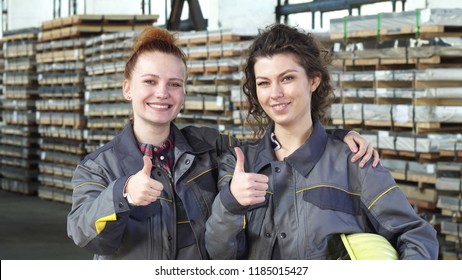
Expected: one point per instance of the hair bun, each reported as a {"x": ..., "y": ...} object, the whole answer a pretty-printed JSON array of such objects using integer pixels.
[{"x": 152, "y": 33}]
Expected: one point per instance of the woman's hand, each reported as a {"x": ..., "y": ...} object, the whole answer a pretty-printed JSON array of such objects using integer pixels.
[
  {"x": 247, "y": 188},
  {"x": 141, "y": 188},
  {"x": 361, "y": 148}
]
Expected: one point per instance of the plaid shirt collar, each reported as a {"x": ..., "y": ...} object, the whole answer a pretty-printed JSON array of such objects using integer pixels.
[{"x": 163, "y": 155}]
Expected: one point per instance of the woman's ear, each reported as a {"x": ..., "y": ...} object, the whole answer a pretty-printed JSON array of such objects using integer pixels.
[
  {"x": 126, "y": 89},
  {"x": 314, "y": 83}
]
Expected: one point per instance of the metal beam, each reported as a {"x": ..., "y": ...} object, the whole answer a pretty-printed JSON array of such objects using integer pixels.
[
  {"x": 195, "y": 13},
  {"x": 4, "y": 16},
  {"x": 174, "y": 19},
  {"x": 145, "y": 3},
  {"x": 325, "y": 6},
  {"x": 56, "y": 5},
  {"x": 73, "y": 7}
]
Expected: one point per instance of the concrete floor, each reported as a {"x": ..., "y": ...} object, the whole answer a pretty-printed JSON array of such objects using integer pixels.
[{"x": 32, "y": 228}]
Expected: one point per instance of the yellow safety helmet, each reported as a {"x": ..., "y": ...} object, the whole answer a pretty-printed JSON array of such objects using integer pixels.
[{"x": 368, "y": 246}]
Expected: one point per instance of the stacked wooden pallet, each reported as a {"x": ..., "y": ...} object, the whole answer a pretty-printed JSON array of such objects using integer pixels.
[
  {"x": 106, "y": 110},
  {"x": 401, "y": 87},
  {"x": 78, "y": 26},
  {"x": 214, "y": 63},
  {"x": 18, "y": 137}
]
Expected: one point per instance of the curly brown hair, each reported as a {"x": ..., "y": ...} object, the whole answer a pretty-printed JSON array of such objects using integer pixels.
[{"x": 310, "y": 54}]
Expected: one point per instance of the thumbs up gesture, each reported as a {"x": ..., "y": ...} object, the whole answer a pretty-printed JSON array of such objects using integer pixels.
[
  {"x": 142, "y": 189},
  {"x": 247, "y": 188}
]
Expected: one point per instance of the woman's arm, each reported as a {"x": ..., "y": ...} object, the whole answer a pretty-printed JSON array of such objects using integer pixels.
[
  {"x": 99, "y": 211},
  {"x": 225, "y": 228}
]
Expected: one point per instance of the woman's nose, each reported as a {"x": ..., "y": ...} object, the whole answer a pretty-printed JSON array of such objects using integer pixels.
[
  {"x": 161, "y": 91},
  {"x": 277, "y": 91}
]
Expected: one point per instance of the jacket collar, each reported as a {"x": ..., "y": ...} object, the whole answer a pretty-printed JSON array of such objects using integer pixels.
[
  {"x": 302, "y": 160},
  {"x": 264, "y": 153},
  {"x": 127, "y": 150},
  {"x": 189, "y": 144}
]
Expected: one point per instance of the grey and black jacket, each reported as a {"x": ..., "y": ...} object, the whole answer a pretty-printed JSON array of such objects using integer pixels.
[
  {"x": 101, "y": 219},
  {"x": 314, "y": 194}
]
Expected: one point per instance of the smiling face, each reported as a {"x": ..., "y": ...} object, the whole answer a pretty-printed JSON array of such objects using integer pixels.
[
  {"x": 284, "y": 90},
  {"x": 156, "y": 89}
]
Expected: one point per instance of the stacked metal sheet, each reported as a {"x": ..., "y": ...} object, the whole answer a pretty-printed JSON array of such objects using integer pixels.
[
  {"x": 19, "y": 138},
  {"x": 392, "y": 24},
  {"x": 60, "y": 68},
  {"x": 425, "y": 99},
  {"x": 106, "y": 110},
  {"x": 2, "y": 70},
  {"x": 400, "y": 85},
  {"x": 214, "y": 64},
  {"x": 449, "y": 185}
]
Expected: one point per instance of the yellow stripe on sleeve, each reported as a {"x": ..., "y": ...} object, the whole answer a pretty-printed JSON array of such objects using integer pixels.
[{"x": 380, "y": 196}]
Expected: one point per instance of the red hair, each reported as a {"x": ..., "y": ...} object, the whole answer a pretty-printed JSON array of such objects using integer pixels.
[{"x": 150, "y": 40}]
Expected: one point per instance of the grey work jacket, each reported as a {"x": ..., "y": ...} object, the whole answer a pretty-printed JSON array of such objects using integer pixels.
[
  {"x": 314, "y": 195},
  {"x": 101, "y": 219}
]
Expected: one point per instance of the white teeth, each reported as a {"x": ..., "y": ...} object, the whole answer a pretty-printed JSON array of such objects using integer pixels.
[
  {"x": 279, "y": 106},
  {"x": 155, "y": 106}
]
